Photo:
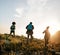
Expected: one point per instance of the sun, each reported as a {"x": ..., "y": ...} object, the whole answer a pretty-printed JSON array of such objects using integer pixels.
[
  {"x": 53, "y": 28},
  {"x": 53, "y": 24}
]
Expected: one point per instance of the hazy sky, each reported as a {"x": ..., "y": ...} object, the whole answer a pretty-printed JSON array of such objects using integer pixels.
[{"x": 41, "y": 12}]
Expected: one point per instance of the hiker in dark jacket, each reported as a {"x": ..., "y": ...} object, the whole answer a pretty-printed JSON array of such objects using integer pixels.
[
  {"x": 30, "y": 28},
  {"x": 12, "y": 28}
]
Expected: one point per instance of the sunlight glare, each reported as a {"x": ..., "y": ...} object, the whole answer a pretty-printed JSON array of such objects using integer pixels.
[{"x": 53, "y": 28}]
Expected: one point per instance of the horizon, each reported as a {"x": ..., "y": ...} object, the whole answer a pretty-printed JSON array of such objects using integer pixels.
[{"x": 41, "y": 13}]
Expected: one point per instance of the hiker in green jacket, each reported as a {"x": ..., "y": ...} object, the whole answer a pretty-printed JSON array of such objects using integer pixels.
[{"x": 12, "y": 28}]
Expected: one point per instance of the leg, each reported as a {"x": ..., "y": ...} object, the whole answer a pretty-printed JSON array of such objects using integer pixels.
[
  {"x": 31, "y": 36},
  {"x": 14, "y": 33},
  {"x": 27, "y": 38},
  {"x": 10, "y": 33}
]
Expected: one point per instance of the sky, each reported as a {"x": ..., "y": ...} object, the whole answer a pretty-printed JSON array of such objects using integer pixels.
[{"x": 41, "y": 13}]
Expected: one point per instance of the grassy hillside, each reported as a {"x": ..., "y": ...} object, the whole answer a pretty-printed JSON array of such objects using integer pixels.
[{"x": 20, "y": 42}]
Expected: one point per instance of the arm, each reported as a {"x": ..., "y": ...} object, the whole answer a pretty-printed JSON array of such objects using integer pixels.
[
  {"x": 44, "y": 31},
  {"x": 26, "y": 26},
  {"x": 32, "y": 27}
]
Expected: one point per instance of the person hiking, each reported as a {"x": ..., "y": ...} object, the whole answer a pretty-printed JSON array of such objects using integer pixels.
[
  {"x": 47, "y": 34},
  {"x": 12, "y": 28},
  {"x": 30, "y": 28},
  {"x": 46, "y": 37}
]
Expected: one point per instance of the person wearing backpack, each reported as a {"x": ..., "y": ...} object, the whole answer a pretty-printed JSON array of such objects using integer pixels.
[
  {"x": 29, "y": 31},
  {"x": 12, "y": 28}
]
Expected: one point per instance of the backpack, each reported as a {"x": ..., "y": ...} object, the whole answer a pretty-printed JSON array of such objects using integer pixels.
[
  {"x": 12, "y": 27},
  {"x": 29, "y": 27}
]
